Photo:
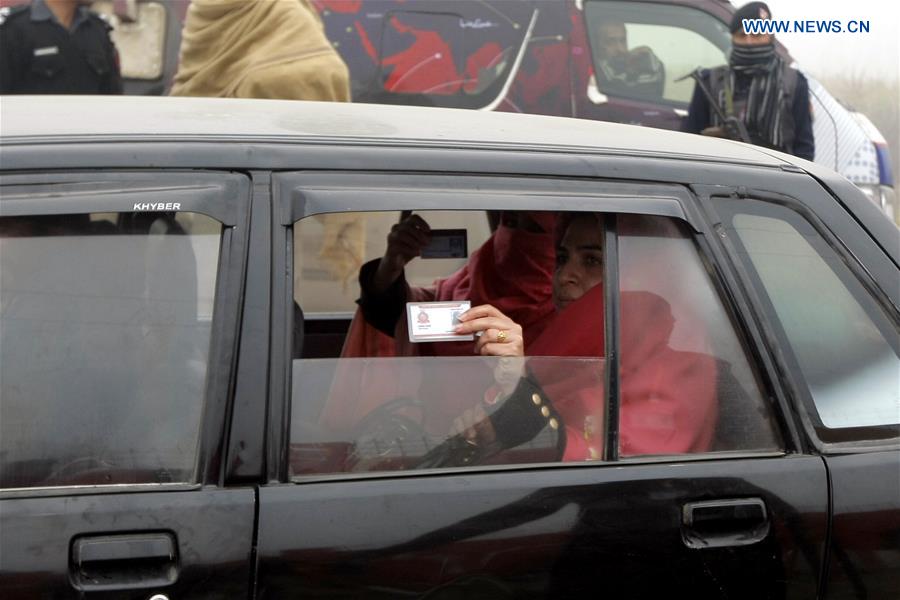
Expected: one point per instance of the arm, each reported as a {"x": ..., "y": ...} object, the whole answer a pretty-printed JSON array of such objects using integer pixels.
[
  {"x": 382, "y": 282},
  {"x": 9, "y": 59},
  {"x": 381, "y": 308},
  {"x": 113, "y": 83},
  {"x": 804, "y": 142}
]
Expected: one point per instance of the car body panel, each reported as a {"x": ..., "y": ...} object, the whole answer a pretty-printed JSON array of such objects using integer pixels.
[
  {"x": 865, "y": 541},
  {"x": 213, "y": 532},
  {"x": 543, "y": 533}
]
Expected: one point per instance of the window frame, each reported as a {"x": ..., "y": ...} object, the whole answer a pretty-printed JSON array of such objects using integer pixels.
[
  {"x": 306, "y": 193},
  {"x": 221, "y": 196},
  {"x": 849, "y": 439}
]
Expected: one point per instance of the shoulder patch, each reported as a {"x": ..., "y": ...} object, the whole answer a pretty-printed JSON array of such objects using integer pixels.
[
  {"x": 8, "y": 12},
  {"x": 103, "y": 18}
]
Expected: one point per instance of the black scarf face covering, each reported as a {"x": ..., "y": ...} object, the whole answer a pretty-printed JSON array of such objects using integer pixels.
[{"x": 751, "y": 56}]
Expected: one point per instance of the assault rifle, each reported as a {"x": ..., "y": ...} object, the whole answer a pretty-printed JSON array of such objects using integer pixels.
[{"x": 734, "y": 127}]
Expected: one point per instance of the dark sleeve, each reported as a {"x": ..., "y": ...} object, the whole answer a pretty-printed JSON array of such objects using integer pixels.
[
  {"x": 698, "y": 112},
  {"x": 113, "y": 83},
  {"x": 804, "y": 142},
  {"x": 9, "y": 58},
  {"x": 381, "y": 310}
]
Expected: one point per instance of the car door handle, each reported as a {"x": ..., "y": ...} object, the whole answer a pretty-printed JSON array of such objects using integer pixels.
[
  {"x": 122, "y": 562},
  {"x": 720, "y": 523}
]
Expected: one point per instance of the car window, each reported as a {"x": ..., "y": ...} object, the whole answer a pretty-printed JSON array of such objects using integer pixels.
[
  {"x": 105, "y": 326},
  {"x": 676, "y": 333},
  {"x": 373, "y": 392},
  {"x": 645, "y": 51},
  {"x": 845, "y": 345},
  {"x": 332, "y": 247},
  {"x": 442, "y": 59}
]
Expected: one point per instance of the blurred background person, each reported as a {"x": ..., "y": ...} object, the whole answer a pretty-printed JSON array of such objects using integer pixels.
[
  {"x": 258, "y": 49},
  {"x": 635, "y": 71},
  {"x": 57, "y": 47}
]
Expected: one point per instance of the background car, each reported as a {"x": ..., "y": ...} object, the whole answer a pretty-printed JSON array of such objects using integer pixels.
[{"x": 178, "y": 414}]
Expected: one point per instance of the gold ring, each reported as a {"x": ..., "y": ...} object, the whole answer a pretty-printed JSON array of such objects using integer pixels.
[{"x": 501, "y": 337}]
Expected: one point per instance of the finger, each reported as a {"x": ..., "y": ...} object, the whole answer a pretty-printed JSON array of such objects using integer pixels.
[
  {"x": 489, "y": 335},
  {"x": 482, "y": 310},
  {"x": 410, "y": 236},
  {"x": 485, "y": 323},
  {"x": 405, "y": 248},
  {"x": 501, "y": 349},
  {"x": 493, "y": 336},
  {"x": 416, "y": 223}
]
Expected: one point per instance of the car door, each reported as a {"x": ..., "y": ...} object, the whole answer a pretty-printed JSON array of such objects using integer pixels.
[
  {"x": 738, "y": 510},
  {"x": 844, "y": 354},
  {"x": 120, "y": 296}
]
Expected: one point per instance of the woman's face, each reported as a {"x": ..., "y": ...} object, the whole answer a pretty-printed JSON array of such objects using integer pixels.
[{"x": 579, "y": 261}]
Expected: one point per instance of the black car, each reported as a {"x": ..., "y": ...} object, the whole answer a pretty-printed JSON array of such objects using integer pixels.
[{"x": 193, "y": 403}]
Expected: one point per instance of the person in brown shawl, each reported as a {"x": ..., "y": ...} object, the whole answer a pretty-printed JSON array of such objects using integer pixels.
[{"x": 258, "y": 49}]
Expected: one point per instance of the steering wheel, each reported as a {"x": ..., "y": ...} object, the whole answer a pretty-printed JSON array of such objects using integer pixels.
[{"x": 387, "y": 437}]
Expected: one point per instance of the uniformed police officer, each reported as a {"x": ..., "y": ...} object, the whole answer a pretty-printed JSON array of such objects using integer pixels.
[{"x": 57, "y": 47}]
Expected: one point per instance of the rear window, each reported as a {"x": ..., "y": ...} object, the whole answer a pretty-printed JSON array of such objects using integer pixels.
[{"x": 460, "y": 55}]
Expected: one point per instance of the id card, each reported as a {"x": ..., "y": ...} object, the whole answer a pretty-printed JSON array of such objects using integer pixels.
[
  {"x": 434, "y": 321},
  {"x": 447, "y": 243}
]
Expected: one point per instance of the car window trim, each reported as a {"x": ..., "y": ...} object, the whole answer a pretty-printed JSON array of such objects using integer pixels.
[
  {"x": 611, "y": 299},
  {"x": 214, "y": 194},
  {"x": 532, "y": 467},
  {"x": 91, "y": 490},
  {"x": 244, "y": 458},
  {"x": 306, "y": 193}
]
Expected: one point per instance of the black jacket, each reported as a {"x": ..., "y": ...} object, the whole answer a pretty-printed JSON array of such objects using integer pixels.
[
  {"x": 803, "y": 144},
  {"x": 42, "y": 57}
]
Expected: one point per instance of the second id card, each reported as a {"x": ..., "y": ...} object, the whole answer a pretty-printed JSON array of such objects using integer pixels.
[{"x": 434, "y": 321}]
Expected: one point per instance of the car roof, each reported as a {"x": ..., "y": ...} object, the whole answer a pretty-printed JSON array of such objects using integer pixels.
[{"x": 96, "y": 118}]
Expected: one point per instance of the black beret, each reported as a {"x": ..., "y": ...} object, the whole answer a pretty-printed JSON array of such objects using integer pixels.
[{"x": 752, "y": 10}]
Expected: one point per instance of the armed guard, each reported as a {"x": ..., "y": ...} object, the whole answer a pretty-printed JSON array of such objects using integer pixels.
[
  {"x": 757, "y": 97},
  {"x": 57, "y": 47}
]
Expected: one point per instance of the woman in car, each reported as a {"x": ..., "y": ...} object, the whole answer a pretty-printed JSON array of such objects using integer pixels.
[
  {"x": 512, "y": 271},
  {"x": 668, "y": 396}
]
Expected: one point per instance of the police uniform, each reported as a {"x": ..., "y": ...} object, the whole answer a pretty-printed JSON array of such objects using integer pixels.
[{"x": 38, "y": 55}]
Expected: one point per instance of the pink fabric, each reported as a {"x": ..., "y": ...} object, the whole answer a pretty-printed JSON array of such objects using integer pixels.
[{"x": 668, "y": 397}]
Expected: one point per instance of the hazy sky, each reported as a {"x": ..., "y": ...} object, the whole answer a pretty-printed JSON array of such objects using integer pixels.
[{"x": 876, "y": 53}]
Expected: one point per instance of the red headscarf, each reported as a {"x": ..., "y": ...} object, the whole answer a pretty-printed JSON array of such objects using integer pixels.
[{"x": 668, "y": 396}]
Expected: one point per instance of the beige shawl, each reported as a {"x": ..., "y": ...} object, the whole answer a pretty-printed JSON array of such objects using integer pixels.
[{"x": 258, "y": 49}]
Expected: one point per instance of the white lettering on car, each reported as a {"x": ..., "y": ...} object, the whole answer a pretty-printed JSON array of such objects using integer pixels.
[{"x": 167, "y": 206}]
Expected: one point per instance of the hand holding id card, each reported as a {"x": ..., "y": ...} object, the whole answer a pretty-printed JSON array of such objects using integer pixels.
[{"x": 435, "y": 321}]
